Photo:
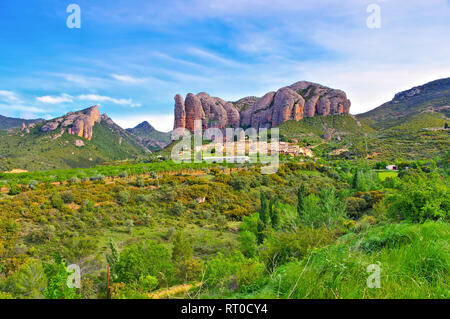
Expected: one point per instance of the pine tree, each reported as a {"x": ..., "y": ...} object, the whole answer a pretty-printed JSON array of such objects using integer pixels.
[
  {"x": 274, "y": 218},
  {"x": 301, "y": 196}
]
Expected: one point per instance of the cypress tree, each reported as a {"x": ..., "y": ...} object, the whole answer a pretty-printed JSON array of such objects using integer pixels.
[
  {"x": 274, "y": 218},
  {"x": 260, "y": 236}
]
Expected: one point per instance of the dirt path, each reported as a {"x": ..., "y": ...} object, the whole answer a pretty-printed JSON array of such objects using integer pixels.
[{"x": 173, "y": 291}]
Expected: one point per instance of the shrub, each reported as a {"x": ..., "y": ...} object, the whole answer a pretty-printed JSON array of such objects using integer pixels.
[
  {"x": 356, "y": 207},
  {"x": 325, "y": 209},
  {"x": 56, "y": 201},
  {"x": 177, "y": 209},
  {"x": 124, "y": 174},
  {"x": 248, "y": 243},
  {"x": 67, "y": 197},
  {"x": 14, "y": 189},
  {"x": 123, "y": 197},
  {"x": 148, "y": 283},
  {"x": 33, "y": 184},
  {"x": 421, "y": 197},
  {"x": 144, "y": 259},
  {"x": 282, "y": 247},
  {"x": 250, "y": 276}
]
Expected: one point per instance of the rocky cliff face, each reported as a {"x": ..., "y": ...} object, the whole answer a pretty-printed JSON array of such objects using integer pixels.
[
  {"x": 294, "y": 102},
  {"x": 79, "y": 123}
]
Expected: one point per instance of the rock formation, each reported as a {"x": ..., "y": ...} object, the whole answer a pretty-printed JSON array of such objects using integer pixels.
[
  {"x": 79, "y": 123},
  {"x": 294, "y": 102}
]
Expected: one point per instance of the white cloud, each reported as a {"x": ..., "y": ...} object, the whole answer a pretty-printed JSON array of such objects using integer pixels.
[
  {"x": 102, "y": 98},
  {"x": 63, "y": 98},
  {"x": 9, "y": 97},
  {"x": 214, "y": 57},
  {"x": 161, "y": 122},
  {"x": 127, "y": 78}
]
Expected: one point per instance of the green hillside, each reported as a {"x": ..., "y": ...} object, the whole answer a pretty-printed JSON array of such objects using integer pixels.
[
  {"x": 431, "y": 97},
  {"x": 41, "y": 151},
  {"x": 147, "y": 135},
  {"x": 318, "y": 126}
]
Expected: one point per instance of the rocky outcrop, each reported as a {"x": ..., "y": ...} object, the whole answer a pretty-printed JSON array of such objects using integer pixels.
[
  {"x": 77, "y": 123},
  {"x": 294, "y": 102}
]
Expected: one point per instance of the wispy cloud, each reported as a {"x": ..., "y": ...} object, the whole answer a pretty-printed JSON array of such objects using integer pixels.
[
  {"x": 101, "y": 98},
  {"x": 127, "y": 78},
  {"x": 213, "y": 57},
  {"x": 9, "y": 97},
  {"x": 63, "y": 98}
]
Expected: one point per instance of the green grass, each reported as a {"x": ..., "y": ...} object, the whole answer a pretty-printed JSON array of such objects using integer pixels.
[
  {"x": 414, "y": 262},
  {"x": 385, "y": 174}
]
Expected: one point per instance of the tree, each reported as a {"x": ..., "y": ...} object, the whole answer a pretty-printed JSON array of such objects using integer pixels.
[
  {"x": 57, "y": 276},
  {"x": 186, "y": 267},
  {"x": 446, "y": 125},
  {"x": 355, "y": 180},
  {"x": 182, "y": 248},
  {"x": 29, "y": 282},
  {"x": 144, "y": 259},
  {"x": 113, "y": 257},
  {"x": 301, "y": 196},
  {"x": 260, "y": 235},
  {"x": 274, "y": 218},
  {"x": 264, "y": 209}
]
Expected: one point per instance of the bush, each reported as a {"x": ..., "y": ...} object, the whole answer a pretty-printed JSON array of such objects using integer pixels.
[
  {"x": 33, "y": 184},
  {"x": 282, "y": 247},
  {"x": 421, "y": 197},
  {"x": 67, "y": 197},
  {"x": 356, "y": 207},
  {"x": 148, "y": 283},
  {"x": 325, "y": 209},
  {"x": 144, "y": 259},
  {"x": 250, "y": 277},
  {"x": 123, "y": 197},
  {"x": 14, "y": 189},
  {"x": 56, "y": 201}
]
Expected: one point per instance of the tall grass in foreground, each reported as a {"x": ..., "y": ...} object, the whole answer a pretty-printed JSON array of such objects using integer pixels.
[{"x": 414, "y": 261}]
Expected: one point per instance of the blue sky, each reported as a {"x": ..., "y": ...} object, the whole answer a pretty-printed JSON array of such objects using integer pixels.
[{"x": 131, "y": 57}]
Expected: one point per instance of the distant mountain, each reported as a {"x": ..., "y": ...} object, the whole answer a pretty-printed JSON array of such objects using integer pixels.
[
  {"x": 153, "y": 139},
  {"x": 433, "y": 98},
  {"x": 11, "y": 122},
  {"x": 77, "y": 139}
]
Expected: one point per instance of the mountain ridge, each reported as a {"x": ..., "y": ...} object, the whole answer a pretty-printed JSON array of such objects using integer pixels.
[{"x": 293, "y": 102}]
